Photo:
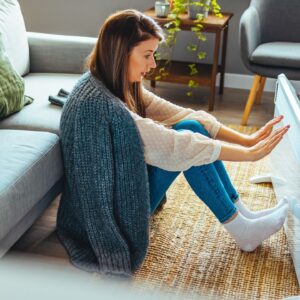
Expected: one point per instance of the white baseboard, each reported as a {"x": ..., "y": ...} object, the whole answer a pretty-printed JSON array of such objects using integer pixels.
[{"x": 241, "y": 81}]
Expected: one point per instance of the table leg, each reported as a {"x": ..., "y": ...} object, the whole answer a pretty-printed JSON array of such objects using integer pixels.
[
  {"x": 223, "y": 60},
  {"x": 214, "y": 72}
]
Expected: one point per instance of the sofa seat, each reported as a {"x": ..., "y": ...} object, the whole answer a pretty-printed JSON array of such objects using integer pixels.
[
  {"x": 31, "y": 170},
  {"x": 41, "y": 115}
]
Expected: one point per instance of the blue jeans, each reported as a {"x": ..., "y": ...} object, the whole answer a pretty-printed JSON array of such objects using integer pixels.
[{"x": 210, "y": 182}]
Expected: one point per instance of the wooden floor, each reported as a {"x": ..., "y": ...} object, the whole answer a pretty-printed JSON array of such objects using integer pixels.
[{"x": 40, "y": 239}]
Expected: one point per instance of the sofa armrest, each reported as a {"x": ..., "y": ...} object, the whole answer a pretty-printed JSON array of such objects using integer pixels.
[
  {"x": 51, "y": 53},
  {"x": 249, "y": 34}
]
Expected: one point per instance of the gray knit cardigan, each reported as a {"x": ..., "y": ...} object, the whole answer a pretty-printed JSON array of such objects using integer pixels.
[{"x": 103, "y": 216}]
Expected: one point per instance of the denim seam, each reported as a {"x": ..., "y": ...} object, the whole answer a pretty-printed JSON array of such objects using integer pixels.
[
  {"x": 229, "y": 215},
  {"x": 235, "y": 198}
]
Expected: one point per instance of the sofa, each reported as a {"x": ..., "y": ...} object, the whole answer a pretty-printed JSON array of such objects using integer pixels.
[{"x": 31, "y": 166}]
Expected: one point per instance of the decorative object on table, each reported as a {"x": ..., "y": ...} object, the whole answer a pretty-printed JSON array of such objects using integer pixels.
[
  {"x": 181, "y": 7},
  {"x": 170, "y": 70},
  {"x": 162, "y": 8},
  {"x": 198, "y": 11},
  {"x": 196, "y": 7}
]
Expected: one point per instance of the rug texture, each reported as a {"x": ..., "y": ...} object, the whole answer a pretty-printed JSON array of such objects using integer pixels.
[{"x": 191, "y": 252}]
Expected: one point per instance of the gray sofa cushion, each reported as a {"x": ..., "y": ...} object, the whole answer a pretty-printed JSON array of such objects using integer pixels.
[
  {"x": 40, "y": 115},
  {"x": 31, "y": 164},
  {"x": 14, "y": 35},
  {"x": 53, "y": 53},
  {"x": 275, "y": 54}
]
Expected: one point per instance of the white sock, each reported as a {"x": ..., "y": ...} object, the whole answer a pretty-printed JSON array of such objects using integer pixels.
[
  {"x": 260, "y": 213},
  {"x": 250, "y": 233}
]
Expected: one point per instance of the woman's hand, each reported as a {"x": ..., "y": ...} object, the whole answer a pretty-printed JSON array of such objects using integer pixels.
[
  {"x": 266, "y": 145},
  {"x": 232, "y": 136},
  {"x": 262, "y": 133},
  {"x": 231, "y": 152}
]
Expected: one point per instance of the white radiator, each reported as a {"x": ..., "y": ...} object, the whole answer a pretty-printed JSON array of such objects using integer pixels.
[{"x": 285, "y": 163}]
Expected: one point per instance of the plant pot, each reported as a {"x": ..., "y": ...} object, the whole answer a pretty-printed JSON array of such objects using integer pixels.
[
  {"x": 194, "y": 10},
  {"x": 162, "y": 8}
]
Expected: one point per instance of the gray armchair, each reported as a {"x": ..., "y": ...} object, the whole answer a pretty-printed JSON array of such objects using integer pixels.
[{"x": 269, "y": 44}]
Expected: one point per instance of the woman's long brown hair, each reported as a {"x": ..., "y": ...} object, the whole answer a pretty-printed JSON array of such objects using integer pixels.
[{"x": 109, "y": 59}]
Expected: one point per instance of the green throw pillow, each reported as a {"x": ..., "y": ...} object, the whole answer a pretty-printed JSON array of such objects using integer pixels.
[{"x": 12, "y": 98}]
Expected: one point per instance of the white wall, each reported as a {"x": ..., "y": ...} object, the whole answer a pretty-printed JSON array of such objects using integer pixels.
[{"x": 77, "y": 17}]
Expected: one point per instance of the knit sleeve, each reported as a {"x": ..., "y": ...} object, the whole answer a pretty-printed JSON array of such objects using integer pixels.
[
  {"x": 163, "y": 111},
  {"x": 94, "y": 182},
  {"x": 175, "y": 150}
]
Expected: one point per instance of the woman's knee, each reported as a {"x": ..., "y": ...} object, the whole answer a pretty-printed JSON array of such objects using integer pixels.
[{"x": 192, "y": 125}]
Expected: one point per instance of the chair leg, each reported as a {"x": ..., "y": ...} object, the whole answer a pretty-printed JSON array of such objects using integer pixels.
[
  {"x": 251, "y": 99},
  {"x": 260, "y": 90}
]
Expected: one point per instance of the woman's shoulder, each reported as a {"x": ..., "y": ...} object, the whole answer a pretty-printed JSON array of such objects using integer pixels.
[
  {"x": 89, "y": 89},
  {"x": 89, "y": 86},
  {"x": 90, "y": 94}
]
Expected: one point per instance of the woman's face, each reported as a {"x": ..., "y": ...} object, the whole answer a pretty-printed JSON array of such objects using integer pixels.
[{"x": 141, "y": 59}]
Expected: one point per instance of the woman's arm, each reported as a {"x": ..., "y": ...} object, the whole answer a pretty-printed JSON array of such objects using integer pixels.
[
  {"x": 174, "y": 150},
  {"x": 256, "y": 152},
  {"x": 169, "y": 114},
  {"x": 229, "y": 135},
  {"x": 163, "y": 111}
]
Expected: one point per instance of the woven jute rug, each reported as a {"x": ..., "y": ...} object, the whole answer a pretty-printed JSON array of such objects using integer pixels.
[{"x": 191, "y": 252}]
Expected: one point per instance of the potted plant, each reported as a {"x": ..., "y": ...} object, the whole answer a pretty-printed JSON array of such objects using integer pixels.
[
  {"x": 196, "y": 7},
  {"x": 197, "y": 11}
]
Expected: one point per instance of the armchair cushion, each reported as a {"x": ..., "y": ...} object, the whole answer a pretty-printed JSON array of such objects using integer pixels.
[
  {"x": 274, "y": 54},
  {"x": 13, "y": 30}
]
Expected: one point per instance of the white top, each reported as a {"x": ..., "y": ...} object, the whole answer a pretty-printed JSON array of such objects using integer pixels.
[{"x": 174, "y": 150}]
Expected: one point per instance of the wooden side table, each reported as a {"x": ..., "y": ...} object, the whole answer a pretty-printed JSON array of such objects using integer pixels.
[{"x": 179, "y": 72}]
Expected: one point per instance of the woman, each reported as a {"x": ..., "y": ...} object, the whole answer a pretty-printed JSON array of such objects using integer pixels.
[{"x": 177, "y": 139}]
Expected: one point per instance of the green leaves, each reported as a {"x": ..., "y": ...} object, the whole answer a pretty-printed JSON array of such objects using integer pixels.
[
  {"x": 201, "y": 55},
  {"x": 172, "y": 28},
  {"x": 157, "y": 56},
  {"x": 162, "y": 73},
  {"x": 216, "y": 9},
  {"x": 192, "y": 84},
  {"x": 192, "y": 47},
  {"x": 193, "y": 69}
]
